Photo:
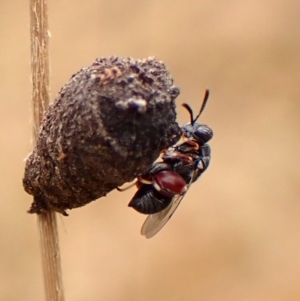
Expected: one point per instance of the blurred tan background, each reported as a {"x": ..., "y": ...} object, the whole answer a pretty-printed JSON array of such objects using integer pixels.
[{"x": 236, "y": 235}]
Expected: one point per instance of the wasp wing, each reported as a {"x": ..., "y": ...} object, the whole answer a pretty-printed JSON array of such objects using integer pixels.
[{"x": 155, "y": 222}]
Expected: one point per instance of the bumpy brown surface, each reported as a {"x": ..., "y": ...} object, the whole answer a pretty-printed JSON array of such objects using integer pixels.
[{"x": 108, "y": 124}]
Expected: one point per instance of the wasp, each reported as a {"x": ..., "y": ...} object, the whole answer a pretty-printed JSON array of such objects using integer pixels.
[{"x": 163, "y": 186}]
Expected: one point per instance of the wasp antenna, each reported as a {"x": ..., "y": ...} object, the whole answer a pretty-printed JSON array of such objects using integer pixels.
[
  {"x": 185, "y": 105},
  {"x": 205, "y": 99}
]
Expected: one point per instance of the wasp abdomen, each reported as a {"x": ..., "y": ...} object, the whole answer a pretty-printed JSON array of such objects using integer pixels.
[
  {"x": 148, "y": 200},
  {"x": 169, "y": 183}
]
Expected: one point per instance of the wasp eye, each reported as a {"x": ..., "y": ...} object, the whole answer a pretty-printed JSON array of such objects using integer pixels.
[{"x": 203, "y": 133}]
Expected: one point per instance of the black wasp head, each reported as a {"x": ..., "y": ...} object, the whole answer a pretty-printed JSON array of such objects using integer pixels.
[{"x": 201, "y": 133}]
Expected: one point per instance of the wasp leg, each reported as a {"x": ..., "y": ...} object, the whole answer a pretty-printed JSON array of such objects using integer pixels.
[
  {"x": 193, "y": 143},
  {"x": 127, "y": 187}
]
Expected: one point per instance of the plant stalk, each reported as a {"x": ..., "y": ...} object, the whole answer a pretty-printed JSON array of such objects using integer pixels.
[{"x": 47, "y": 224}]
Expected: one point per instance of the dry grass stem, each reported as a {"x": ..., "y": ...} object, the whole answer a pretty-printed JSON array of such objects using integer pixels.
[{"x": 47, "y": 224}]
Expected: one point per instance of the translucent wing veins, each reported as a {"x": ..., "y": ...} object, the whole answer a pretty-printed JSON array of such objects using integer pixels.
[{"x": 155, "y": 222}]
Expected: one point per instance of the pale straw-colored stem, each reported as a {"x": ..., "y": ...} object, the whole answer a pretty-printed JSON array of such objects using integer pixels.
[{"x": 47, "y": 225}]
